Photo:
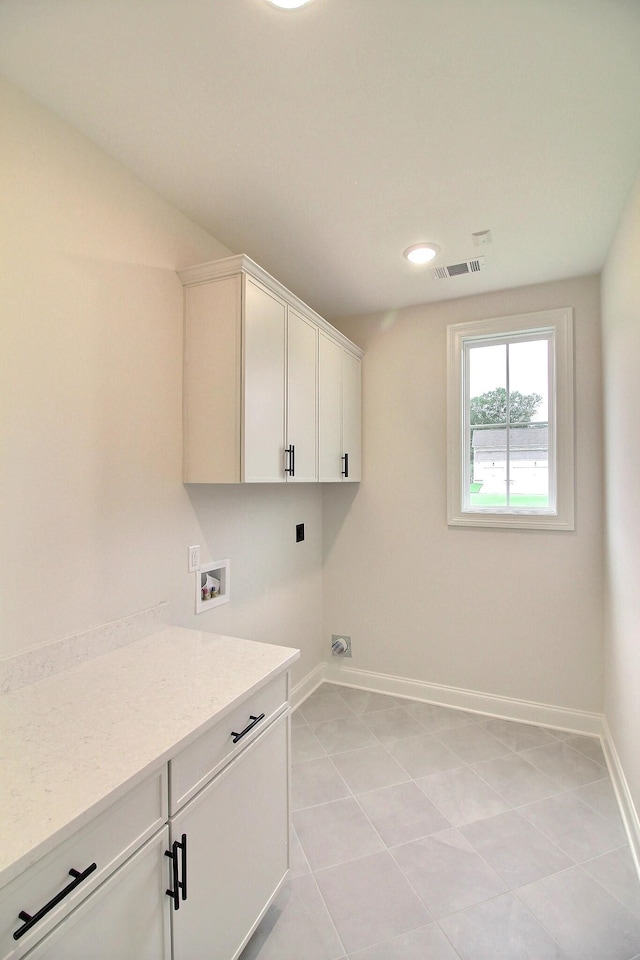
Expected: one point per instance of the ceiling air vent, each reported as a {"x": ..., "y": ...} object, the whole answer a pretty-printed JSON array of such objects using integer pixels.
[{"x": 458, "y": 269}]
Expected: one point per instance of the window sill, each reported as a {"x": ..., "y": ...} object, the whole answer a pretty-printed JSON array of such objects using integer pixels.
[{"x": 517, "y": 521}]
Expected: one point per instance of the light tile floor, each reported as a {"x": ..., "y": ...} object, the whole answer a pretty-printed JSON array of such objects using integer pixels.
[{"x": 424, "y": 833}]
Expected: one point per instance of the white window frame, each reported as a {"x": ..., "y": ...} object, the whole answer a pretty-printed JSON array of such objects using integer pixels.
[{"x": 557, "y": 326}]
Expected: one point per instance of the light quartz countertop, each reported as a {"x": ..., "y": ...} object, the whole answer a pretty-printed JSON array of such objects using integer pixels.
[{"x": 73, "y": 743}]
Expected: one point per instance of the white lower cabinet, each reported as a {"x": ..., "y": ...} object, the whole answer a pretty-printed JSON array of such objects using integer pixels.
[
  {"x": 127, "y": 917},
  {"x": 236, "y": 832},
  {"x": 151, "y": 880},
  {"x": 85, "y": 876}
]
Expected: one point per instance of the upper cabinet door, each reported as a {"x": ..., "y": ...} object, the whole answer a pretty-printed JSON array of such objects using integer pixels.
[
  {"x": 330, "y": 409},
  {"x": 351, "y": 417},
  {"x": 264, "y": 345},
  {"x": 302, "y": 412}
]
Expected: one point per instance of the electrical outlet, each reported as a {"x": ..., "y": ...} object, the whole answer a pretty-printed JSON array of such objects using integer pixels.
[{"x": 194, "y": 558}]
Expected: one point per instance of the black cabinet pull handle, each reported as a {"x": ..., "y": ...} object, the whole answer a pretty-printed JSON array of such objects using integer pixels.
[
  {"x": 29, "y": 921},
  {"x": 291, "y": 469},
  {"x": 345, "y": 472},
  {"x": 254, "y": 720},
  {"x": 179, "y": 886},
  {"x": 183, "y": 882},
  {"x": 175, "y": 893}
]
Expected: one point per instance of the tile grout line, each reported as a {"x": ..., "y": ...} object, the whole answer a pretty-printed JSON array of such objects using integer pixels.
[
  {"x": 538, "y": 920},
  {"x": 510, "y": 751}
]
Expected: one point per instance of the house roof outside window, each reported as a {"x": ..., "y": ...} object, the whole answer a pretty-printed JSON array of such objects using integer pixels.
[{"x": 525, "y": 443}]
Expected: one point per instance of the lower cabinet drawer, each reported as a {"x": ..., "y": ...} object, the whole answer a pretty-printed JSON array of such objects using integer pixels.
[
  {"x": 55, "y": 885},
  {"x": 196, "y": 764}
]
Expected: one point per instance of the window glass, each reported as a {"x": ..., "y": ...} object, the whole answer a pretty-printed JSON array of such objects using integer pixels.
[
  {"x": 508, "y": 430},
  {"x": 507, "y": 415}
]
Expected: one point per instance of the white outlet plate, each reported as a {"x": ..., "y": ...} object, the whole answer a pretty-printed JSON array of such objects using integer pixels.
[{"x": 194, "y": 558}]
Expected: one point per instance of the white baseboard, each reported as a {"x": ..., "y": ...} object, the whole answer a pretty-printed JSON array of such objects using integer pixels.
[
  {"x": 541, "y": 714},
  {"x": 307, "y": 685},
  {"x": 623, "y": 794}
]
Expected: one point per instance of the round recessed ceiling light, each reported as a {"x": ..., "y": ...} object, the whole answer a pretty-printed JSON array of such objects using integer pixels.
[
  {"x": 288, "y": 4},
  {"x": 421, "y": 252}
]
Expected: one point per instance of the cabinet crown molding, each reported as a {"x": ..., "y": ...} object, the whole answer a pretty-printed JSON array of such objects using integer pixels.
[{"x": 241, "y": 263}]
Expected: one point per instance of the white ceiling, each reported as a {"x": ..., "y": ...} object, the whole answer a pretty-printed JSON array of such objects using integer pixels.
[{"x": 323, "y": 141}]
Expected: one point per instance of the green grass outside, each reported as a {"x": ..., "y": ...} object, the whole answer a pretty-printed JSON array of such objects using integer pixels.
[{"x": 536, "y": 501}]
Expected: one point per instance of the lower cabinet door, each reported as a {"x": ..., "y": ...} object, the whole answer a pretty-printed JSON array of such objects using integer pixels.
[
  {"x": 237, "y": 850},
  {"x": 127, "y": 917}
]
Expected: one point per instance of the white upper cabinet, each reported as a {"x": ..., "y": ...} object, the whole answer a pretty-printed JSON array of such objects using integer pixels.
[
  {"x": 267, "y": 382},
  {"x": 330, "y": 409},
  {"x": 339, "y": 428},
  {"x": 351, "y": 416},
  {"x": 264, "y": 383},
  {"x": 302, "y": 398},
  {"x": 212, "y": 388}
]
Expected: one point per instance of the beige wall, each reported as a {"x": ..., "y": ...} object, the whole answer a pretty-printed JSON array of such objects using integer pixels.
[
  {"x": 621, "y": 350},
  {"x": 511, "y": 613},
  {"x": 95, "y": 520}
]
